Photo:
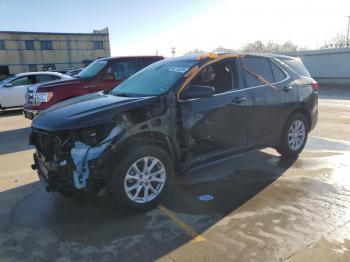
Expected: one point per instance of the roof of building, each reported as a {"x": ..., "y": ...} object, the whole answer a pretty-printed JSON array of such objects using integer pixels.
[{"x": 52, "y": 33}]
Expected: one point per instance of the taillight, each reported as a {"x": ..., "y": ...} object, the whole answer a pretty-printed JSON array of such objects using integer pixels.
[{"x": 314, "y": 85}]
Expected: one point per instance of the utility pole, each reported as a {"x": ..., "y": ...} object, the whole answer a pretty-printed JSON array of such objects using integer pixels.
[
  {"x": 173, "y": 51},
  {"x": 347, "y": 35}
]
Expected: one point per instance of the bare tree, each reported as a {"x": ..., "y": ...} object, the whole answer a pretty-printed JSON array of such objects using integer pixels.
[{"x": 338, "y": 41}]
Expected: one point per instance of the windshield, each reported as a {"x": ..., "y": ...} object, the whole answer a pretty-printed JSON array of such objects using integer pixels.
[
  {"x": 93, "y": 69},
  {"x": 7, "y": 79},
  {"x": 155, "y": 79}
]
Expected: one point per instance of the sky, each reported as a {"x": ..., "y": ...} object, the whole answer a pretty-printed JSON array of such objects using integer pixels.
[{"x": 145, "y": 27}]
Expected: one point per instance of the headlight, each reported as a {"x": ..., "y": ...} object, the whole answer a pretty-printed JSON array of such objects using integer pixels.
[
  {"x": 43, "y": 97},
  {"x": 92, "y": 136}
]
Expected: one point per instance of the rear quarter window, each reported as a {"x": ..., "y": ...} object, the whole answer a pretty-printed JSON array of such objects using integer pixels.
[
  {"x": 259, "y": 66},
  {"x": 297, "y": 65},
  {"x": 278, "y": 74}
]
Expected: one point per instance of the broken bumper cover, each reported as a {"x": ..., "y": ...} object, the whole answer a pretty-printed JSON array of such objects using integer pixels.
[
  {"x": 55, "y": 178},
  {"x": 73, "y": 170}
]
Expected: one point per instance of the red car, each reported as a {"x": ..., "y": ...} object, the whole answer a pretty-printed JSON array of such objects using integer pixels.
[{"x": 101, "y": 75}]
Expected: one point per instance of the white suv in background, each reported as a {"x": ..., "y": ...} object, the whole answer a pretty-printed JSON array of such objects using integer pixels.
[{"x": 13, "y": 89}]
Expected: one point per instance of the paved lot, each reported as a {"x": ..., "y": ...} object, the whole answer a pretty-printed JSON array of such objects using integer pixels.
[{"x": 264, "y": 208}]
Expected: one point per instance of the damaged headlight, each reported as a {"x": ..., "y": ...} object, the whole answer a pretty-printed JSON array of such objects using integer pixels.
[{"x": 92, "y": 136}]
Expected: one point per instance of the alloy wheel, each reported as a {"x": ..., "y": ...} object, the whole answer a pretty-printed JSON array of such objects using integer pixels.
[
  {"x": 296, "y": 135},
  {"x": 145, "y": 180}
]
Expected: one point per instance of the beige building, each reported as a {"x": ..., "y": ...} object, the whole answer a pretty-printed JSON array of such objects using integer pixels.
[{"x": 34, "y": 51}]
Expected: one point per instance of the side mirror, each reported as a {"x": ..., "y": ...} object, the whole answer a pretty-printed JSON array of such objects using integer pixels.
[
  {"x": 198, "y": 91},
  {"x": 8, "y": 85}
]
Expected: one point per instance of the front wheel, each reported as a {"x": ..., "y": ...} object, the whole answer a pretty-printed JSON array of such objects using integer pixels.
[
  {"x": 294, "y": 136},
  {"x": 141, "y": 178}
]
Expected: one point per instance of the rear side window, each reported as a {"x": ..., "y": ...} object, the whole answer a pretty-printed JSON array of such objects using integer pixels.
[
  {"x": 122, "y": 70},
  {"x": 278, "y": 74},
  {"x": 146, "y": 62},
  {"x": 259, "y": 66},
  {"x": 297, "y": 65},
  {"x": 45, "y": 78}
]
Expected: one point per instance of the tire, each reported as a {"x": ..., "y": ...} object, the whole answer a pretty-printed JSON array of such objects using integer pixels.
[
  {"x": 292, "y": 143},
  {"x": 144, "y": 185}
]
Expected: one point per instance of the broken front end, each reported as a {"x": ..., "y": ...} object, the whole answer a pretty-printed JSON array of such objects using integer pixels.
[{"x": 69, "y": 161}]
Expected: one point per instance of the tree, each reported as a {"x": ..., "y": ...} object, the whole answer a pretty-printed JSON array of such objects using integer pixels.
[
  {"x": 222, "y": 49},
  {"x": 270, "y": 47},
  {"x": 338, "y": 41},
  {"x": 194, "y": 52}
]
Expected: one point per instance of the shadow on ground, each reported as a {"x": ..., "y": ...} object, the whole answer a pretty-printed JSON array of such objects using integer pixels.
[
  {"x": 41, "y": 225},
  {"x": 14, "y": 140},
  {"x": 10, "y": 112}
]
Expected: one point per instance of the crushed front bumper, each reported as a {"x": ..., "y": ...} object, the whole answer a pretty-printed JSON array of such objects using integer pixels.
[{"x": 55, "y": 177}]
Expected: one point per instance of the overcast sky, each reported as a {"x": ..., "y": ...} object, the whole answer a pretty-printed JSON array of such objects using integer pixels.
[{"x": 143, "y": 27}]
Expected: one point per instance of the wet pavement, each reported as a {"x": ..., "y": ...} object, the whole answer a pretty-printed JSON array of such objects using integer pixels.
[{"x": 264, "y": 208}]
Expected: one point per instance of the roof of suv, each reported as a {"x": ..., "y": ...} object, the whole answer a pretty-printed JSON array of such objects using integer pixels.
[
  {"x": 207, "y": 55},
  {"x": 130, "y": 57}
]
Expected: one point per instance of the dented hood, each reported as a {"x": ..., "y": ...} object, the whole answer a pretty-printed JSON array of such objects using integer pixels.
[{"x": 87, "y": 110}]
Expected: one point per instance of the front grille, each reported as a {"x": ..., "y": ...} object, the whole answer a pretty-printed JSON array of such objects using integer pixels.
[
  {"x": 29, "y": 96},
  {"x": 43, "y": 142}
]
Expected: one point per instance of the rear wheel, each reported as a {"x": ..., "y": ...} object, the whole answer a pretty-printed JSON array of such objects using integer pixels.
[
  {"x": 142, "y": 178},
  {"x": 294, "y": 136}
]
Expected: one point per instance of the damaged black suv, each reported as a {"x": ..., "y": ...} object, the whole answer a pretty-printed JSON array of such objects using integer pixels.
[{"x": 171, "y": 116}]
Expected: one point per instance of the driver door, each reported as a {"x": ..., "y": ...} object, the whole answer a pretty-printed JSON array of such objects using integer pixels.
[
  {"x": 14, "y": 95},
  {"x": 217, "y": 122}
]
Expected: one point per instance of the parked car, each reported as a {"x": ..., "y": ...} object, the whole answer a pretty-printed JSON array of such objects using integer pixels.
[
  {"x": 101, "y": 75},
  {"x": 74, "y": 72},
  {"x": 172, "y": 116},
  {"x": 13, "y": 89}
]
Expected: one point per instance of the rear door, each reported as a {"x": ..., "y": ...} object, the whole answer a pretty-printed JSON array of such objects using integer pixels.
[
  {"x": 270, "y": 106},
  {"x": 14, "y": 95},
  {"x": 217, "y": 122}
]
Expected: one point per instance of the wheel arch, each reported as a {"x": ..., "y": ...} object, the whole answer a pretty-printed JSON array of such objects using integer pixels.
[
  {"x": 148, "y": 138},
  {"x": 304, "y": 112}
]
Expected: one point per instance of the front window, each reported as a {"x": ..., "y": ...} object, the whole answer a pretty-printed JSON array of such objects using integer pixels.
[
  {"x": 155, "y": 79},
  {"x": 93, "y": 69}
]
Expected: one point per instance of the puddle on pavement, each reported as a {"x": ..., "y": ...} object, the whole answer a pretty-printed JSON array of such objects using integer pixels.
[{"x": 260, "y": 202}]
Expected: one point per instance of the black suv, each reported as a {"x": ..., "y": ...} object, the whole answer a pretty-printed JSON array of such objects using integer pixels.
[{"x": 173, "y": 115}]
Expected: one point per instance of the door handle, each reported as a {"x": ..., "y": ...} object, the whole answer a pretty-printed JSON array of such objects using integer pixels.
[
  {"x": 287, "y": 88},
  {"x": 238, "y": 100}
]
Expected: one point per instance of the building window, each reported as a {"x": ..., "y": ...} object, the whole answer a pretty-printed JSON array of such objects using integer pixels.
[
  {"x": 49, "y": 67},
  {"x": 29, "y": 45},
  {"x": 33, "y": 68},
  {"x": 98, "y": 44},
  {"x": 2, "y": 44},
  {"x": 46, "y": 45}
]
